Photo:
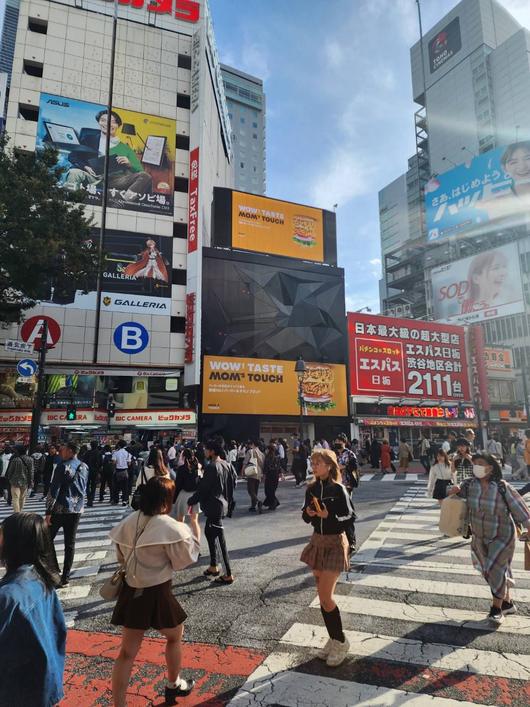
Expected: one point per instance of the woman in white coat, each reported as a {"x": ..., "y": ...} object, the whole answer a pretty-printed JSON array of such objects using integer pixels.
[{"x": 441, "y": 477}]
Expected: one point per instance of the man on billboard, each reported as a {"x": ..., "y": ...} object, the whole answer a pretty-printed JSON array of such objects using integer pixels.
[{"x": 126, "y": 174}]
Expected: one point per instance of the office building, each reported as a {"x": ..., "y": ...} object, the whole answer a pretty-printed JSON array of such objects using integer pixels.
[
  {"x": 471, "y": 83},
  {"x": 172, "y": 123},
  {"x": 245, "y": 100}
]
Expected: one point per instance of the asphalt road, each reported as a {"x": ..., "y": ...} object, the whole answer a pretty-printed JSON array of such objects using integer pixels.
[{"x": 271, "y": 586}]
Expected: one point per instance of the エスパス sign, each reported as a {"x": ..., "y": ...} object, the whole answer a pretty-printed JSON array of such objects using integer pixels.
[
  {"x": 186, "y": 10},
  {"x": 406, "y": 358}
]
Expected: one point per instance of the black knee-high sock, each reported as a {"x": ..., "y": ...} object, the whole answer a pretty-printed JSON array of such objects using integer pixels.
[{"x": 333, "y": 623}]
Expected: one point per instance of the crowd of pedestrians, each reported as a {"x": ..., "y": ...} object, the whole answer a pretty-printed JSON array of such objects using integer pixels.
[{"x": 168, "y": 488}]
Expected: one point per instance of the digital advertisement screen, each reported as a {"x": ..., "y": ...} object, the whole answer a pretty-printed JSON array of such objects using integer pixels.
[
  {"x": 251, "y": 386},
  {"x": 141, "y": 155},
  {"x": 277, "y": 227}
]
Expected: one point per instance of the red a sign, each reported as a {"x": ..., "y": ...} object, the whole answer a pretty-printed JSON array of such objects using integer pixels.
[
  {"x": 193, "y": 202},
  {"x": 31, "y": 331}
]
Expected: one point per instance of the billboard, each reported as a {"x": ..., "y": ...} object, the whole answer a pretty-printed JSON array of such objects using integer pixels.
[
  {"x": 272, "y": 307},
  {"x": 478, "y": 288},
  {"x": 274, "y": 227},
  {"x": 277, "y": 227},
  {"x": 405, "y": 358},
  {"x": 498, "y": 359},
  {"x": 141, "y": 155},
  {"x": 251, "y": 386},
  {"x": 493, "y": 188},
  {"x": 445, "y": 45}
]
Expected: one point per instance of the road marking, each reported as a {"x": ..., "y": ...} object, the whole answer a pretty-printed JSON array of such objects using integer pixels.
[
  {"x": 406, "y": 650},
  {"x": 367, "y": 477},
  {"x": 421, "y": 614},
  {"x": 79, "y": 591},
  {"x": 85, "y": 556},
  {"x": 437, "y": 567},
  {"x": 430, "y": 550},
  {"x": 427, "y": 586},
  {"x": 389, "y": 477},
  {"x": 276, "y": 683},
  {"x": 443, "y": 540}
]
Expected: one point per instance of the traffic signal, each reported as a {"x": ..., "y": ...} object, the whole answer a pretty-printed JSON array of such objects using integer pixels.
[
  {"x": 71, "y": 412},
  {"x": 111, "y": 407}
]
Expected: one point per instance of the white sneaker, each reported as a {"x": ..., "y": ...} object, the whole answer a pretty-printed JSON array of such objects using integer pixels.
[
  {"x": 324, "y": 652},
  {"x": 338, "y": 653}
]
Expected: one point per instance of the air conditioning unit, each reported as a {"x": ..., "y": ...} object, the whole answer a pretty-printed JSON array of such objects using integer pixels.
[{"x": 400, "y": 310}]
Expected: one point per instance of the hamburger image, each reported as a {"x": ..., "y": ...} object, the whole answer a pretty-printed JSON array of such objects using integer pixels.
[
  {"x": 318, "y": 387},
  {"x": 304, "y": 231}
]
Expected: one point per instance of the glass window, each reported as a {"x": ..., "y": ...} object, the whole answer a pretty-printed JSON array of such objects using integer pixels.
[
  {"x": 242, "y": 165},
  {"x": 254, "y": 125},
  {"x": 255, "y": 136},
  {"x": 241, "y": 120}
]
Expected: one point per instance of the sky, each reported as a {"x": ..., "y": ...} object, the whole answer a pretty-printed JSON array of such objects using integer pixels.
[{"x": 340, "y": 115}]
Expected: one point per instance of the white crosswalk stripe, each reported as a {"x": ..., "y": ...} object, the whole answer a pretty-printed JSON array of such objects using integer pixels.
[
  {"x": 93, "y": 547},
  {"x": 413, "y": 602}
]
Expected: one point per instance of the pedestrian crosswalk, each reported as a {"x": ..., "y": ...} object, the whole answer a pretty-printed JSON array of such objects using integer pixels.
[
  {"x": 93, "y": 550},
  {"x": 414, "y": 612}
]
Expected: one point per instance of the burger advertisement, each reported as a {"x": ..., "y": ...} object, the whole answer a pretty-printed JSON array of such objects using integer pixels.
[
  {"x": 277, "y": 227},
  {"x": 245, "y": 386}
]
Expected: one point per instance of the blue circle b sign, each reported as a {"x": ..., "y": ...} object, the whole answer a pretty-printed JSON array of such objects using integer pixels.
[{"x": 131, "y": 338}]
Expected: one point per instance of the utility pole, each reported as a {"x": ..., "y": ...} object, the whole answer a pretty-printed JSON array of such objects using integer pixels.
[
  {"x": 104, "y": 194},
  {"x": 524, "y": 373},
  {"x": 41, "y": 389}
]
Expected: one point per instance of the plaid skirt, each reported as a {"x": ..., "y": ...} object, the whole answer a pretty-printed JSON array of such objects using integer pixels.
[{"x": 326, "y": 553}]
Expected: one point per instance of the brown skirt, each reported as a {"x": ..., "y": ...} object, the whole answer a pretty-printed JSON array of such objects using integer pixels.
[
  {"x": 326, "y": 553},
  {"x": 152, "y": 607}
]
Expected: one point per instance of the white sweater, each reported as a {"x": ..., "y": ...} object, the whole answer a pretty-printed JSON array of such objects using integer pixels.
[
  {"x": 164, "y": 546},
  {"x": 438, "y": 471}
]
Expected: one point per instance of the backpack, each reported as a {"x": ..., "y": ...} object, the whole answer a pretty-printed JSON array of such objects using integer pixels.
[{"x": 351, "y": 472}]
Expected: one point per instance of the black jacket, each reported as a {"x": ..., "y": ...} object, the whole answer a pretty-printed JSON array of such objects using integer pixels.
[
  {"x": 338, "y": 503},
  {"x": 216, "y": 490},
  {"x": 187, "y": 479},
  {"x": 93, "y": 459}
]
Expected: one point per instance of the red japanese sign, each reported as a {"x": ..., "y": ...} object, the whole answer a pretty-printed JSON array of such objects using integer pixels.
[
  {"x": 193, "y": 203},
  {"x": 479, "y": 379},
  {"x": 186, "y": 10},
  {"x": 31, "y": 331},
  {"x": 406, "y": 358},
  {"x": 190, "y": 327}
]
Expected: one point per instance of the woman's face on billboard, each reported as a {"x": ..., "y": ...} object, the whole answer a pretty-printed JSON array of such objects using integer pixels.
[
  {"x": 518, "y": 166},
  {"x": 491, "y": 279}
]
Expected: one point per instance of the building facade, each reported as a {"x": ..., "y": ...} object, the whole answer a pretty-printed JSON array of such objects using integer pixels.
[
  {"x": 471, "y": 82},
  {"x": 172, "y": 124},
  {"x": 245, "y": 99}
]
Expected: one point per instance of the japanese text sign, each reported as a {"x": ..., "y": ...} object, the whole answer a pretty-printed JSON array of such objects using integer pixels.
[
  {"x": 491, "y": 187},
  {"x": 404, "y": 358},
  {"x": 141, "y": 165}
]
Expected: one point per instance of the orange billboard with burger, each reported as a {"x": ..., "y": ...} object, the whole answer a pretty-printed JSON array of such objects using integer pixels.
[
  {"x": 246, "y": 386},
  {"x": 277, "y": 227}
]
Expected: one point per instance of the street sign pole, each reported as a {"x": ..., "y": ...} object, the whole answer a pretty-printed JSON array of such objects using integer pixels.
[{"x": 41, "y": 382}]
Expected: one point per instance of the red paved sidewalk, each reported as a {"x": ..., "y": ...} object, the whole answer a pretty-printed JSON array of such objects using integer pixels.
[{"x": 218, "y": 672}]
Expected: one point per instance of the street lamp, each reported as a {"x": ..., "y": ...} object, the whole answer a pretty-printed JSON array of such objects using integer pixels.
[
  {"x": 300, "y": 369},
  {"x": 363, "y": 309}
]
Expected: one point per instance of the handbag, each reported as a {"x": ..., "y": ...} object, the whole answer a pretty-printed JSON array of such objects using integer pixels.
[
  {"x": 251, "y": 469},
  {"x": 137, "y": 495},
  {"x": 453, "y": 516},
  {"x": 112, "y": 586}
]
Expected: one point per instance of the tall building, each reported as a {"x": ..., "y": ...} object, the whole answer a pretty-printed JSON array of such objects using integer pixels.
[
  {"x": 246, "y": 107},
  {"x": 137, "y": 336},
  {"x": 9, "y": 33},
  {"x": 471, "y": 81}
]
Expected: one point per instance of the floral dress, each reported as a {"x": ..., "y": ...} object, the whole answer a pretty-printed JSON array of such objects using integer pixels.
[{"x": 493, "y": 543}]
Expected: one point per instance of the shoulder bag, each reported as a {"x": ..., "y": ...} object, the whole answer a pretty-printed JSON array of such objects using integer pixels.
[
  {"x": 453, "y": 516},
  {"x": 251, "y": 469},
  {"x": 112, "y": 586},
  {"x": 137, "y": 495}
]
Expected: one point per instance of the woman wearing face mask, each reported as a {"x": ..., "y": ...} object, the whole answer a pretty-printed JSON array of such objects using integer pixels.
[
  {"x": 329, "y": 510},
  {"x": 493, "y": 507}
]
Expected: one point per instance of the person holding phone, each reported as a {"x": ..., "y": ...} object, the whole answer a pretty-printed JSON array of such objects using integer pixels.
[{"x": 329, "y": 509}]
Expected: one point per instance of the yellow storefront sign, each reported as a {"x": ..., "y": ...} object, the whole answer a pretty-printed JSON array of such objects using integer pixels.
[
  {"x": 247, "y": 386},
  {"x": 277, "y": 227}
]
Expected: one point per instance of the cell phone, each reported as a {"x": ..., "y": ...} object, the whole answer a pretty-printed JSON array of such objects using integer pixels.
[{"x": 317, "y": 505}]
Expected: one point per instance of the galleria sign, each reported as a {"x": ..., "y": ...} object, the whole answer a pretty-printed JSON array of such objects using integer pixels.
[{"x": 185, "y": 10}]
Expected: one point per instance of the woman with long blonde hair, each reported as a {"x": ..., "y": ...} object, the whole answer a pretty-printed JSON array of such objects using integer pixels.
[{"x": 329, "y": 509}]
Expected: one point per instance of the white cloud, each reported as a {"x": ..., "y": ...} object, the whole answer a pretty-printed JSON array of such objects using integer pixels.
[
  {"x": 375, "y": 261},
  {"x": 358, "y": 300},
  {"x": 347, "y": 173},
  {"x": 255, "y": 60},
  {"x": 520, "y": 9}
]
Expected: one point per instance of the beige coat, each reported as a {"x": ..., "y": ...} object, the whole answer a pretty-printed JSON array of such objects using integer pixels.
[{"x": 162, "y": 548}]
